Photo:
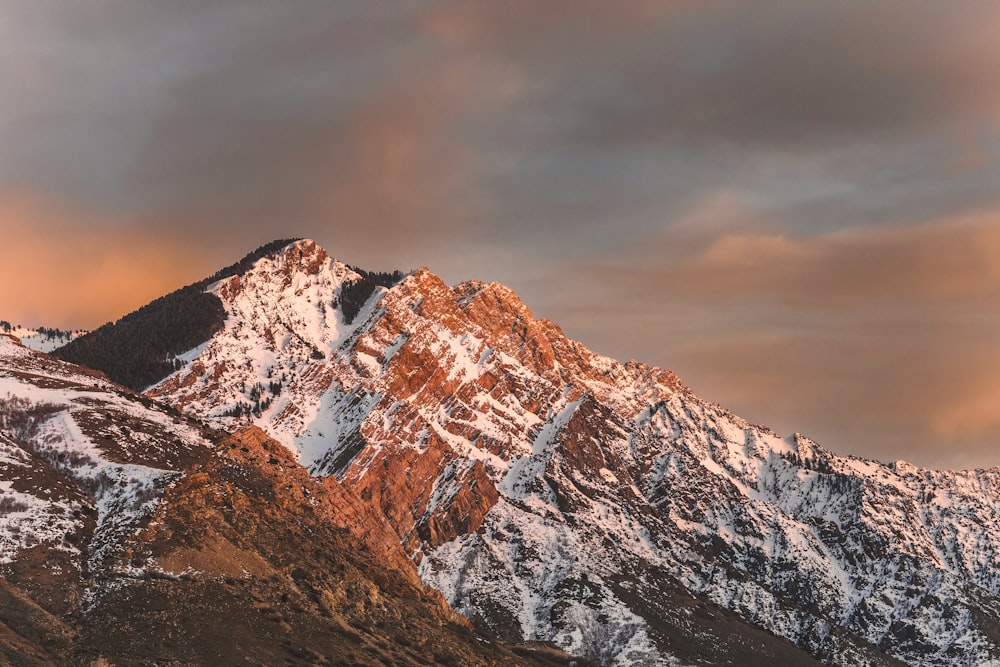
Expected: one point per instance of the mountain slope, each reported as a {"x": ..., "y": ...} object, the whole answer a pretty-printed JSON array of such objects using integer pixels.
[
  {"x": 132, "y": 533},
  {"x": 41, "y": 339},
  {"x": 551, "y": 493}
]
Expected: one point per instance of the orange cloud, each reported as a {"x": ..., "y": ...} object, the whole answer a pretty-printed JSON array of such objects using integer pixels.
[
  {"x": 60, "y": 269},
  {"x": 399, "y": 168}
]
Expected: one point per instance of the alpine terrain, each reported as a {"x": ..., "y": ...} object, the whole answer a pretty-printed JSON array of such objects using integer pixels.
[
  {"x": 132, "y": 535},
  {"x": 549, "y": 493}
]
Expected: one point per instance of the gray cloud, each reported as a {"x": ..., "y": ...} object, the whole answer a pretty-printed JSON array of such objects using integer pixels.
[
  {"x": 882, "y": 338},
  {"x": 598, "y": 157}
]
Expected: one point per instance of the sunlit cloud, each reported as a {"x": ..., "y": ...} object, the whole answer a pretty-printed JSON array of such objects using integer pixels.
[
  {"x": 63, "y": 269},
  {"x": 938, "y": 262}
]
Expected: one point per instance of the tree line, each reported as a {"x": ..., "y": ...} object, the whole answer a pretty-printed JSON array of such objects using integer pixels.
[{"x": 354, "y": 295}]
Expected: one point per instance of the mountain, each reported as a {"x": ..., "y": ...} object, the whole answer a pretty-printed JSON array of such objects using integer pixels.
[
  {"x": 133, "y": 535},
  {"x": 554, "y": 494}
]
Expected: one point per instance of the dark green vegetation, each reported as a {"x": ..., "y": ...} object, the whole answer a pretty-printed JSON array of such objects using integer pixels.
[
  {"x": 49, "y": 333},
  {"x": 354, "y": 295},
  {"x": 138, "y": 350}
]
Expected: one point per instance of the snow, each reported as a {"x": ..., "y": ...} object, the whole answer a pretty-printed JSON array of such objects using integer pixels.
[
  {"x": 27, "y": 520},
  {"x": 495, "y": 567},
  {"x": 123, "y": 493},
  {"x": 44, "y": 341},
  {"x": 278, "y": 318},
  {"x": 523, "y": 473},
  {"x": 338, "y": 417}
]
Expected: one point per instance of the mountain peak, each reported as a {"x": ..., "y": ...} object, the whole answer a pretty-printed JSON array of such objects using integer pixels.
[
  {"x": 423, "y": 278},
  {"x": 142, "y": 347},
  {"x": 305, "y": 255},
  {"x": 478, "y": 294},
  {"x": 304, "y": 243},
  {"x": 298, "y": 263}
]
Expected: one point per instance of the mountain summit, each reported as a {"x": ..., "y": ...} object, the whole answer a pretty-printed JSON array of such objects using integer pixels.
[{"x": 554, "y": 494}]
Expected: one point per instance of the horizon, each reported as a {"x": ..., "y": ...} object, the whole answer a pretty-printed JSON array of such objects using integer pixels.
[{"x": 792, "y": 207}]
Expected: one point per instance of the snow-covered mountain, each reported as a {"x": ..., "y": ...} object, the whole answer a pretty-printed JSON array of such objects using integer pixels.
[
  {"x": 133, "y": 535},
  {"x": 554, "y": 494}
]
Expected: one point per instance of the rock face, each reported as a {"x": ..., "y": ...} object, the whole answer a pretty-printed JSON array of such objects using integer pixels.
[
  {"x": 551, "y": 493},
  {"x": 133, "y": 534}
]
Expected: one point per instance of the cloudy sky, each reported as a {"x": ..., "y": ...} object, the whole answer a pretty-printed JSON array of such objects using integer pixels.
[{"x": 794, "y": 205}]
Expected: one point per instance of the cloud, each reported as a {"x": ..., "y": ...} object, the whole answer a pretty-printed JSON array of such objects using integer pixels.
[
  {"x": 828, "y": 114},
  {"x": 68, "y": 271},
  {"x": 788, "y": 202},
  {"x": 790, "y": 76},
  {"x": 933, "y": 264},
  {"x": 876, "y": 341},
  {"x": 513, "y": 117}
]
